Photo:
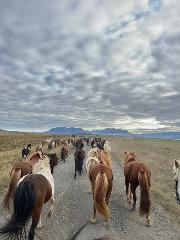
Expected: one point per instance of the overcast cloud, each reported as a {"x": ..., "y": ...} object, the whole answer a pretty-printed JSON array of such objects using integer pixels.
[{"x": 90, "y": 64}]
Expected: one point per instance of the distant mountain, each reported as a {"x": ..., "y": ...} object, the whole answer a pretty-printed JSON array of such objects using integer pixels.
[
  {"x": 66, "y": 130},
  {"x": 80, "y": 131},
  {"x": 111, "y": 131},
  {"x": 159, "y": 135}
]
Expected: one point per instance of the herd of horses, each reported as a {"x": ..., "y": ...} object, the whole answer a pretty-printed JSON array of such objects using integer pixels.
[{"x": 31, "y": 183}]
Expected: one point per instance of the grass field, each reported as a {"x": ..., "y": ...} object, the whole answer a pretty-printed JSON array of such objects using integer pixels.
[
  {"x": 159, "y": 155},
  {"x": 11, "y": 145}
]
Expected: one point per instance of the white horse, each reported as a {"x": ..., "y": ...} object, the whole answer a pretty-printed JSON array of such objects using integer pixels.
[{"x": 176, "y": 171}]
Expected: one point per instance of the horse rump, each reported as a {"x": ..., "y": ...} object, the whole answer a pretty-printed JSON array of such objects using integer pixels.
[
  {"x": 100, "y": 191},
  {"x": 101, "y": 180},
  {"x": 24, "y": 201}
]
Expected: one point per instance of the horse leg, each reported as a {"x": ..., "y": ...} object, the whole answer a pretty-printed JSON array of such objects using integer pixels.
[
  {"x": 51, "y": 210},
  {"x": 75, "y": 174},
  {"x": 133, "y": 190},
  {"x": 36, "y": 218},
  {"x": 39, "y": 223},
  {"x": 127, "y": 190},
  {"x": 93, "y": 219},
  {"x": 148, "y": 220},
  {"x": 90, "y": 189},
  {"x": 108, "y": 193},
  {"x": 32, "y": 229}
]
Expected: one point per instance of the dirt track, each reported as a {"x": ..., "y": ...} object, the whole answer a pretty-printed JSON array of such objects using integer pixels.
[{"x": 73, "y": 209}]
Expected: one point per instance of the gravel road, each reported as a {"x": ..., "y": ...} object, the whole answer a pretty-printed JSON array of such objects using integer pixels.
[{"x": 73, "y": 209}]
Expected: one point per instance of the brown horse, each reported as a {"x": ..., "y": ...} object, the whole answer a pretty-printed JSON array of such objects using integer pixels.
[
  {"x": 53, "y": 161},
  {"x": 137, "y": 173},
  {"x": 101, "y": 182},
  {"x": 64, "y": 152},
  {"x": 18, "y": 171},
  {"x": 33, "y": 191}
]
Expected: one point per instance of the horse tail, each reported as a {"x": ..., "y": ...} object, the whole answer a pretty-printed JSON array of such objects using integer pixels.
[
  {"x": 100, "y": 191},
  {"x": 24, "y": 201},
  {"x": 145, "y": 201},
  {"x": 15, "y": 177}
]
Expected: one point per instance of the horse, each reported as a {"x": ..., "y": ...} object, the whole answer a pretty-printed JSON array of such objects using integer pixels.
[
  {"x": 90, "y": 163},
  {"x": 51, "y": 145},
  {"x": 107, "y": 148},
  {"x": 39, "y": 148},
  {"x": 101, "y": 178},
  {"x": 79, "y": 157},
  {"x": 53, "y": 161},
  {"x": 32, "y": 192},
  {"x": 94, "y": 152},
  {"x": 19, "y": 170},
  {"x": 26, "y": 152},
  {"x": 176, "y": 171},
  {"x": 64, "y": 152},
  {"x": 137, "y": 173}
]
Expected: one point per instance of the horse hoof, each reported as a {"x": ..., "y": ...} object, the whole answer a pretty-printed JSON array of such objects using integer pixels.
[
  {"x": 148, "y": 224},
  {"x": 90, "y": 192},
  {"x": 39, "y": 226},
  {"x": 129, "y": 201},
  {"x": 50, "y": 213},
  {"x": 93, "y": 220}
]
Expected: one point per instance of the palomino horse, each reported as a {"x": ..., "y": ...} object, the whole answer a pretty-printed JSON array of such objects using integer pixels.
[
  {"x": 107, "y": 148},
  {"x": 33, "y": 191},
  {"x": 18, "y": 171},
  {"x": 137, "y": 173},
  {"x": 90, "y": 163},
  {"x": 101, "y": 178},
  {"x": 176, "y": 170}
]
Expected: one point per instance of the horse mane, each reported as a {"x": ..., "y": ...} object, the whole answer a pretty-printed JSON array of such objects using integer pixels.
[
  {"x": 42, "y": 164},
  {"x": 35, "y": 155},
  {"x": 129, "y": 157},
  {"x": 104, "y": 158},
  {"x": 94, "y": 152}
]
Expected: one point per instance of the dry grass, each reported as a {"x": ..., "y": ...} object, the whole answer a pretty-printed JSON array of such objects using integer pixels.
[
  {"x": 11, "y": 145},
  {"x": 159, "y": 155}
]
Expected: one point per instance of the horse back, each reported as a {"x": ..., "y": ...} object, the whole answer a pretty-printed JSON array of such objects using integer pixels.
[
  {"x": 101, "y": 168},
  {"x": 25, "y": 168},
  {"x": 134, "y": 169}
]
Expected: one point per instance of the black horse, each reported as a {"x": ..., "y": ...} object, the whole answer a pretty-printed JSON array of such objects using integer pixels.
[
  {"x": 26, "y": 151},
  {"x": 79, "y": 157}
]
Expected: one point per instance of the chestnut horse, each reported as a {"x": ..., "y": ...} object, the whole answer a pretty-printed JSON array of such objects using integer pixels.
[
  {"x": 101, "y": 182},
  {"x": 137, "y": 173},
  {"x": 33, "y": 191},
  {"x": 18, "y": 171},
  {"x": 101, "y": 178}
]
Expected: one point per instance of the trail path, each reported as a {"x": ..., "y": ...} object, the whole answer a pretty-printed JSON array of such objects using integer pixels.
[{"x": 73, "y": 208}]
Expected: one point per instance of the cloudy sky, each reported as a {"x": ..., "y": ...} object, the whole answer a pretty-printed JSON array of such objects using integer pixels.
[{"x": 90, "y": 64}]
